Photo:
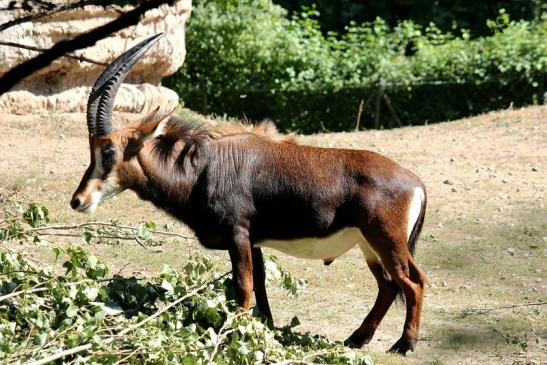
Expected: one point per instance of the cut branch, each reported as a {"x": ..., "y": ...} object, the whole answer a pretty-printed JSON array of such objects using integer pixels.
[
  {"x": 37, "y": 49},
  {"x": 16, "y": 293},
  {"x": 104, "y": 224},
  {"x": 128, "y": 19}
]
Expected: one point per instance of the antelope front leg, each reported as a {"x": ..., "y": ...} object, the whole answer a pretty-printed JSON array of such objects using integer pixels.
[{"x": 242, "y": 266}]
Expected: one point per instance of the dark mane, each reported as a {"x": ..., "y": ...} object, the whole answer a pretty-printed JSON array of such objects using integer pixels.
[
  {"x": 192, "y": 134},
  {"x": 177, "y": 129}
]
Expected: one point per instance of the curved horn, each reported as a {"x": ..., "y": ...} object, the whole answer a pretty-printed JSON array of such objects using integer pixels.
[
  {"x": 98, "y": 87},
  {"x": 101, "y": 98}
]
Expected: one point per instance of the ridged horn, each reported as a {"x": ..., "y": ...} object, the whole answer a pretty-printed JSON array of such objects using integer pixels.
[{"x": 103, "y": 93}]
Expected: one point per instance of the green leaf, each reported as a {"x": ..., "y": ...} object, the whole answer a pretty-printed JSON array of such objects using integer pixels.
[
  {"x": 71, "y": 311},
  {"x": 167, "y": 286},
  {"x": 86, "y": 236},
  {"x": 150, "y": 225},
  {"x": 57, "y": 252},
  {"x": 36, "y": 214},
  {"x": 91, "y": 293},
  {"x": 367, "y": 360},
  {"x": 91, "y": 261}
]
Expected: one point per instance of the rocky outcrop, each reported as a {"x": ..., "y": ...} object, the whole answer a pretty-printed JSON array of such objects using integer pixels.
[{"x": 64, "y": 85}]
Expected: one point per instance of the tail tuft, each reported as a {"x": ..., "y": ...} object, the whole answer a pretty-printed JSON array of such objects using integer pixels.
[
  {"x": 417, "y": 228},
  {"x": 414, "y": 235}
]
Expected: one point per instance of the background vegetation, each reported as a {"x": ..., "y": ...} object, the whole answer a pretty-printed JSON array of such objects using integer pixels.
[{"x": 254, "y": 59}]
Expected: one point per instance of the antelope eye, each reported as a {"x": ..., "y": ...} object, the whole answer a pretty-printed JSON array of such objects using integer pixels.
[{"x": 108, "y": 155}]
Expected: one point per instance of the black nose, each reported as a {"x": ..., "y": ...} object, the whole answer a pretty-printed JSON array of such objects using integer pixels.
[{"x": 75, "y": 203}]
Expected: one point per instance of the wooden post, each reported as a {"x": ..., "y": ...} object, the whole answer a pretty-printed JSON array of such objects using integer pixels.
[{"x": 358, "y": 120}]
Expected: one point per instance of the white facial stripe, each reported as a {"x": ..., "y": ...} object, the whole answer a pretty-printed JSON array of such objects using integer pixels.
[
  {"x": 414, "y": 210},
  {"x": 98, "y": 170},
  {"x": 98, "y": 190},
  {"x": 101, "y": 192},
  {"x": 95, "y": 199}
]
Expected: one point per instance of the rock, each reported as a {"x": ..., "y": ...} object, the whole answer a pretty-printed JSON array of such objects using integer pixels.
[
  {"x": 511, "y": 251},
  {"x": 64, "y": 85}
]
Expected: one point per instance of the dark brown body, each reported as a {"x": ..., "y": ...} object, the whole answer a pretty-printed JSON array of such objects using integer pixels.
[{"x": 238, "y": 189}]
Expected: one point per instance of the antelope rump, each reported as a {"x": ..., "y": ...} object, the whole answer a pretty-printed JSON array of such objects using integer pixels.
[{"x": 242, "y": 188}]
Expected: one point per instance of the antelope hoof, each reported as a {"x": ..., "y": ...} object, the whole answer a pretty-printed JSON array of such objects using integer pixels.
[
  {"x": 402, "y": 346},
  {"x": 357, "y": 340}
]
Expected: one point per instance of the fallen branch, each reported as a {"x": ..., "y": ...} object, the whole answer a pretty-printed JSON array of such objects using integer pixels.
[
  {"x": 24, "y": 272},
  {"x": 104, "y": 224},
  {"x": 37, "y": 49},
  {"x": 487, "y": 310},
  {"x": 85, "y": 40},
  {"x": 132, "y": 235},
  {"x": 17, "y": 293}
]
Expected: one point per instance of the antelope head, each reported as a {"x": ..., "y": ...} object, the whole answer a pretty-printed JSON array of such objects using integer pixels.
[{"x": 112, "y": 153}]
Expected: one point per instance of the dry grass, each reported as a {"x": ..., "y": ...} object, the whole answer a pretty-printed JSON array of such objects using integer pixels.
[{"x": 483, "y": 245}]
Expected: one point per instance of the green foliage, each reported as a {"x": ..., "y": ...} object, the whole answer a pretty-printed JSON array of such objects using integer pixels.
[
  {"x": 47, "y": 314},
  {"x": 36, "y": 215},
  {"x": 275, "y": 272},
  {"x": 469, "y": 14},
  {"x": 124, "y": 319},
  {"x": 246, "y": 58},
  {"x": 12, "y": 230}
]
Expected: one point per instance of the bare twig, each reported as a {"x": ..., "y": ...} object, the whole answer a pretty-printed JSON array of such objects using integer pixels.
[
  {"x": 46, "y": 13},
  {"x": 19, "y": 72},
  {"x": 487, "y": 310},
  {"x": 140, "y": 242},
  {"x": 222, "y": 333},
  {"x": 17, "y": 293},
  {"x": 37, "y": 49}
]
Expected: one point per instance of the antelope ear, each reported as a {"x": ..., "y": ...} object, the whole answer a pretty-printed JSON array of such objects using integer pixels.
[{"x": 151, "y": 127}]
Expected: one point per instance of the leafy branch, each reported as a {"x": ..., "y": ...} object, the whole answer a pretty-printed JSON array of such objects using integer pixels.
[
  {"x": 122, "y": 333},
  {"x": 188, "y": 316},
  {"x": 37, "y": 215},
  {"x": 192, "y": 318}
]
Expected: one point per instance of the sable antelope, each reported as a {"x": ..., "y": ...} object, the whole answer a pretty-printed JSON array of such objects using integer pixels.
[{"x": 240, "y": 190}]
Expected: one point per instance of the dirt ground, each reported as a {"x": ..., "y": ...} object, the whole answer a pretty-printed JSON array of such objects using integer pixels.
[{"x": 483, "y": 247}]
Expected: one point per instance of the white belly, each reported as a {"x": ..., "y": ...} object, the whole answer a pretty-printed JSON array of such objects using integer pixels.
[{"x": 325, "y": 248}]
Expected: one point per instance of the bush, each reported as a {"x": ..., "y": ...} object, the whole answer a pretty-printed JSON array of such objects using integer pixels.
[{"x": 245, "y": 58}]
